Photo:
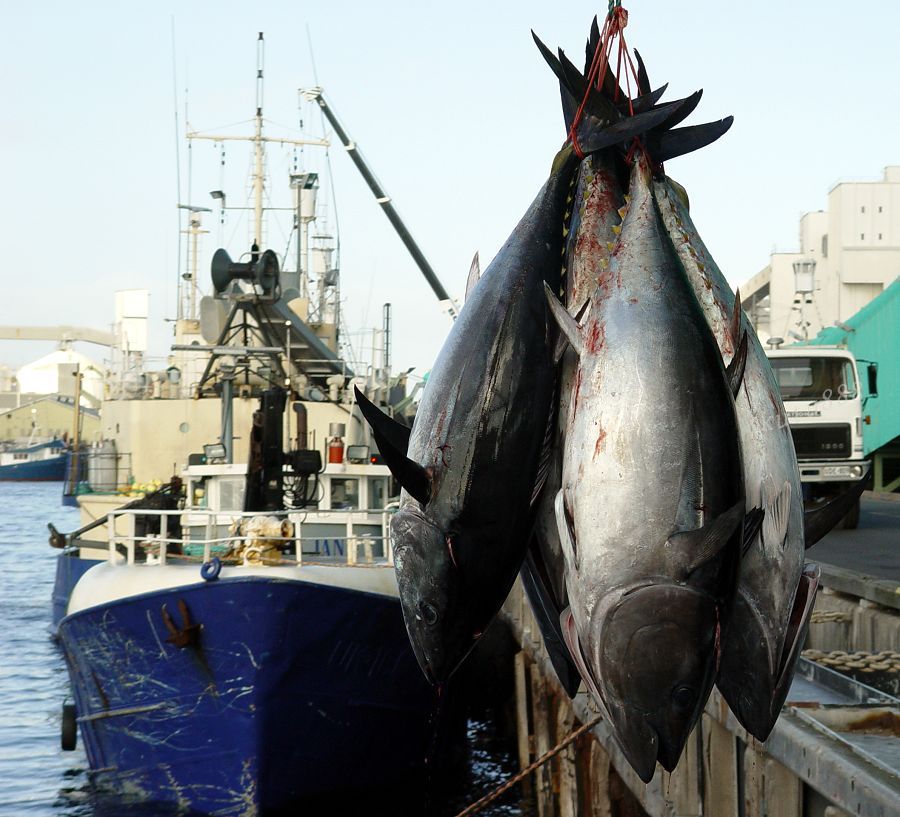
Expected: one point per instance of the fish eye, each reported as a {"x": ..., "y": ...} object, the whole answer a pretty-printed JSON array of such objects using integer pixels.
[
  {"x": 683, "y": 698},
  {"x": 428, "y": 613}
]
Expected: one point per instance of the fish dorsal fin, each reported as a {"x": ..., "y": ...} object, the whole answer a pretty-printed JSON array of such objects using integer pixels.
[
  {"x": 752, "y": 523},
  {"x": 393, "y": 440},
  {"x": 567, "y": 324},
  {"x": 474, "y": 275},
  {"x": 735, "y": 370},
  {"x": 704, "y": 544},
  {"x": 562, "y": 342},
  {"x": 564, "y": 527},
  {"x": 777, "y": 502},
  {"x": 819, "y": 521}
]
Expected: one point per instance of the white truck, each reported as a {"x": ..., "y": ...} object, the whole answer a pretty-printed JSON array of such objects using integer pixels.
[{"x": 820, "y": 388}]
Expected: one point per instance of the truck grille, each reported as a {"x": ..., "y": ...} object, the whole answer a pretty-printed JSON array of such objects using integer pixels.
[{"x": 821, "y": 442}]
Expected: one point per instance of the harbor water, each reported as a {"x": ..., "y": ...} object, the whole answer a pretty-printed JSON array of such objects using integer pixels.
[{"x": 37, "y": 778}]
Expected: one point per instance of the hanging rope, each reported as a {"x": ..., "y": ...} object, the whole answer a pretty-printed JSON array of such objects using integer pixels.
[
  {"x": 613, "y": 30},
  {"x": 478, "y": 805}
]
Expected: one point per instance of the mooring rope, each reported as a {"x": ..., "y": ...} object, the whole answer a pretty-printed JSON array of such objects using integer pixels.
[{"x": 478, "y": 805}]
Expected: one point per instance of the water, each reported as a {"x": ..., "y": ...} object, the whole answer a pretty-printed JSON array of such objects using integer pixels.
[{"x": 37, "y": 778}]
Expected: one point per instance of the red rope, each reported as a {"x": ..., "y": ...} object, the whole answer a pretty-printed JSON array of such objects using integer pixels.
[{"x": 613, "y": 26}]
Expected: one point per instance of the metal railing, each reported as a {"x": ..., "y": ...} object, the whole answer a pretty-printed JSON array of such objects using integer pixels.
[{"x": 245, "y": 543}]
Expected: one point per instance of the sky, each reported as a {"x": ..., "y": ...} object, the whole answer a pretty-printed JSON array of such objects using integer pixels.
[{"x": 452, "y": 106}]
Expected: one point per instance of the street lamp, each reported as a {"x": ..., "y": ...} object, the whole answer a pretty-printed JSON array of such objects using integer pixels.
[{"x": 804, "y": 286}]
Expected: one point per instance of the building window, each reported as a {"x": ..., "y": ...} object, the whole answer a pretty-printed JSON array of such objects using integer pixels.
[
  {"x": 880, "y": 208},
  {"x": 825, "y": 246},
  {"x": 879, "y": 236},
  {"x": 862, "y": 236},
  {"x": 862, "y": 209}
]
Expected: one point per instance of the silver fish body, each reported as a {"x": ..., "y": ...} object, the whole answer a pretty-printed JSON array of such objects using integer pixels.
[
  {"x": 775, "y": 595},
  {"x": 651, "y": 504}
]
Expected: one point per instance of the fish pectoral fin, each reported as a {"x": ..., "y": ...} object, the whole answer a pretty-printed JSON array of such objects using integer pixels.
[
  {"x": 564, "y": 526},
  {"x": 752, "y": 523},
  {"x": 474, "y": 275},
  {"x": 736, "y": 315},
  {"x": 704, "y": 544},
  {"x": 567, "y": 324},
  {"x": 735, "y": 370},
  {"x": 819, "y": 521},
  {"x": 562, "y": 342},
  {"x": 570, "y": 636},
  {"x": 778, "y": 514},
  {"x": 393, "y": 441},
  {"x": 798, "y": 626}
]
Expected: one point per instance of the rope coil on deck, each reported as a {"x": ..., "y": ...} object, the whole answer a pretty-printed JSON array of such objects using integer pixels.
[
  {"x": 478, "y": 805},
  {"x": 884, "y": 661}
]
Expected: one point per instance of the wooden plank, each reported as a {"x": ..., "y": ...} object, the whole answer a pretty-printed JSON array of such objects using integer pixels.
[
  {"x": 682, "y": 786},
  {"x": 783, "y": 791},
  {"x": 719, "y": 770},
  {"x": 568, "y": 793},
  {"x": 523, "y": 730},
  {"x": 754, "y": 781},
  {"x": 541, "y": 724}
]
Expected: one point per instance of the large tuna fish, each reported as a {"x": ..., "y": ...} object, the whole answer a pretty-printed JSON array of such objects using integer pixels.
[
  {"x": 651, "y": 508},
  {"x": 775, "y": 595},
  {"x": 470, "y": 471},
  {"x": 595, "y": 214},
  {"x": 595, "y": 217}
]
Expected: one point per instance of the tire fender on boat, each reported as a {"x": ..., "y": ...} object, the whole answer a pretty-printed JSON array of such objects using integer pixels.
[{"x": 209, "y": 571}]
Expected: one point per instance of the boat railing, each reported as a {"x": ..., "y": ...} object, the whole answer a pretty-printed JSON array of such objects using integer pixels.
[{"x": 357, "y": 537}]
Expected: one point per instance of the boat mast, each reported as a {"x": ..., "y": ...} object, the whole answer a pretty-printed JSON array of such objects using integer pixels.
[
  {"x": 259, "y": 140},
  {"x": 258, "y": 144}
]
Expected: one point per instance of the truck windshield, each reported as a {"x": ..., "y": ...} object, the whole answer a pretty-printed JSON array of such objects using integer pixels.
[{"x": 814, "y": 378}]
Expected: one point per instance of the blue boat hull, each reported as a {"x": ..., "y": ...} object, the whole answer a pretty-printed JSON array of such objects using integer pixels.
[
  {"x": 69, "y": 569},
  {"x": 287, "y": 690},
  {"x": 49, "y": 470}
]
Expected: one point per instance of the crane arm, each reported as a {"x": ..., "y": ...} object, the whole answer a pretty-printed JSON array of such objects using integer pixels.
[{"x": 316, "y": 94}]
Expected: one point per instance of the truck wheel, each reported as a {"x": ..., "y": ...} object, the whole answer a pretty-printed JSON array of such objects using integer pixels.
[
  {"x": 851, "y": 520},
  {"x": 69, "y": 736}
]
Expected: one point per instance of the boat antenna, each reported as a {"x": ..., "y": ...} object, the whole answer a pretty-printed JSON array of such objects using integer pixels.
[
  {"x": 258, "y": 144},
  {"x": 177, "y": 164}
]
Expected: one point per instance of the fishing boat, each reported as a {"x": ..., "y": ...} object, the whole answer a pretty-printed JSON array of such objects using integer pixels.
[
  {"x": 234, "y": 637},
  {"x": 34, "y": 462},
  {"x": 238, "y": 662}
]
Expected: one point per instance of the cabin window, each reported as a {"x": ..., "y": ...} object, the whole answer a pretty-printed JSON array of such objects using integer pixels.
[
  {"x": 377, "y": 493},
  {"x": 816, "y": 378},
  {"x": 344, "y": 493},
  {"x": 231, "y": 493}
]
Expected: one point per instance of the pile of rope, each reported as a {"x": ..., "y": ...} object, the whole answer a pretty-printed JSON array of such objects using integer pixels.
[{"x": 884, "y": 661}]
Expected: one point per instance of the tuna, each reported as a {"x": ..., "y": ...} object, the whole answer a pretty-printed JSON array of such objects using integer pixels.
[
  {"x": 473, "y": 462},
  {"x": 775, "y": 595},
  {"x": 651, "y": 509}
]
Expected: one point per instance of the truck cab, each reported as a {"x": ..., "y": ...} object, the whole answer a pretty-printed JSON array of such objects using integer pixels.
[{"x": 820, "y": 388}]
